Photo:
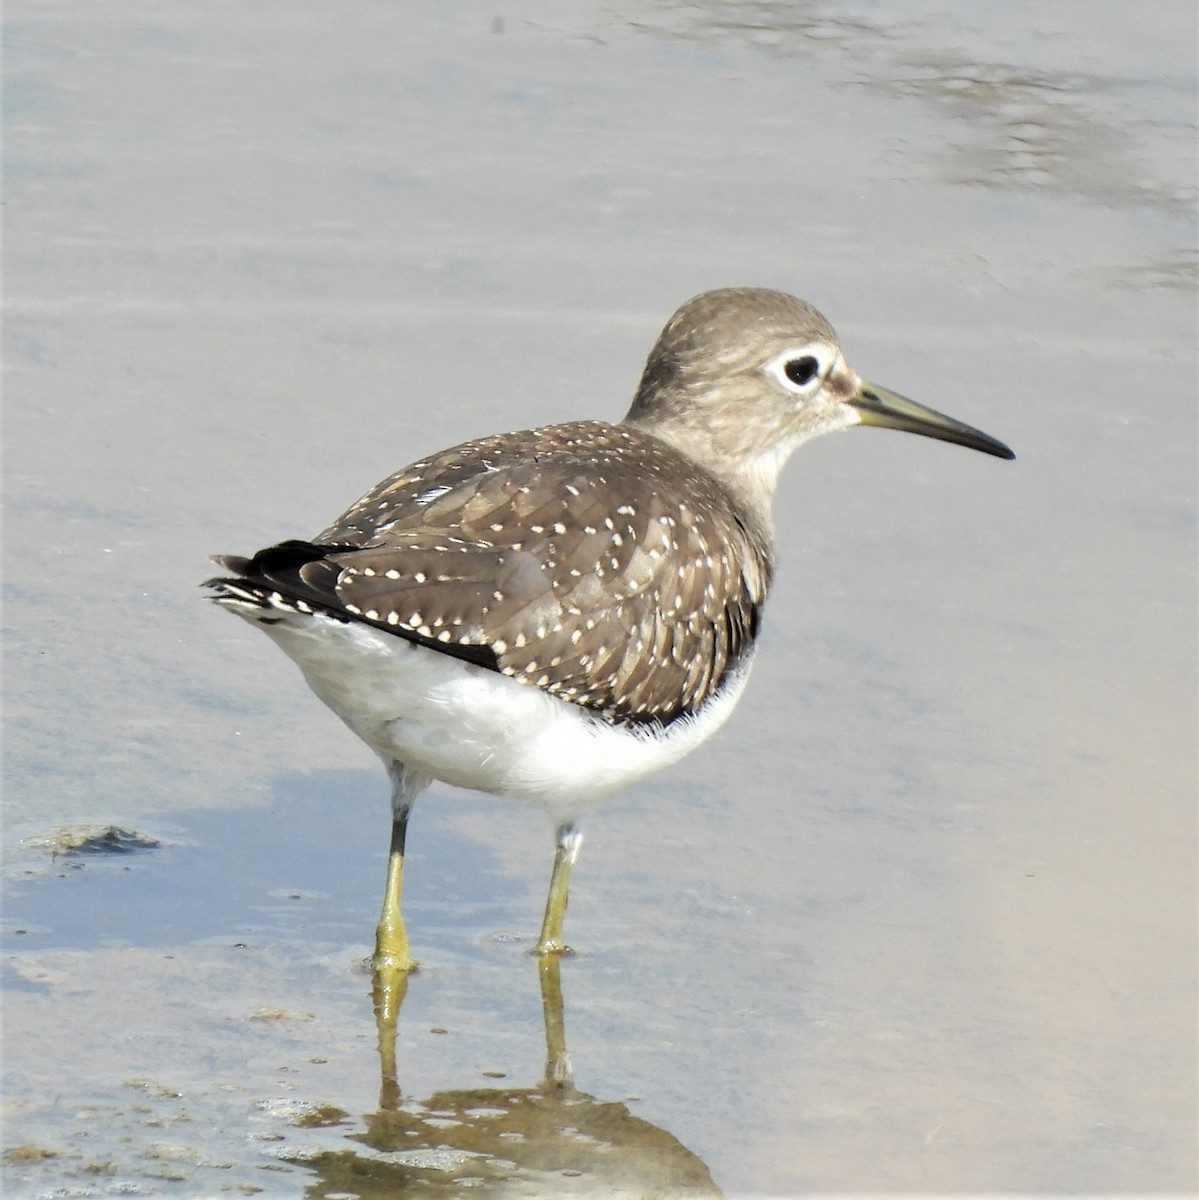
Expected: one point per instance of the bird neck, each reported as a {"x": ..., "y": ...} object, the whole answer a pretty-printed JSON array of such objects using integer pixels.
[{"x": 750, "y": 480}]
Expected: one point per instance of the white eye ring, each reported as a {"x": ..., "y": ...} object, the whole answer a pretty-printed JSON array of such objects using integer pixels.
[{"x": 801, "y": 370}]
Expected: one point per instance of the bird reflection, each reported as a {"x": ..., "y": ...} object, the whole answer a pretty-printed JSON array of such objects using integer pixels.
[{"x": 546, "y": 1140}]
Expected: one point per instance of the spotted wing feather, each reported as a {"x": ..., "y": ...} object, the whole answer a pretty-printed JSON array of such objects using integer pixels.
[{"x": 587, "y": 559}]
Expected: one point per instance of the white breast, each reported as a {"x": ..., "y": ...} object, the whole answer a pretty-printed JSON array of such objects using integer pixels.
[{"x": 475, "y": 728}]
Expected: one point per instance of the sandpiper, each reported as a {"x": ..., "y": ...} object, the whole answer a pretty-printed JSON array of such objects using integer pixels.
[{"x": 552, "y": 615}]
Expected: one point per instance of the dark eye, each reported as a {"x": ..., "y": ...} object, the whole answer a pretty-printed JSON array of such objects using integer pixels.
[{"x": 801, "y": 371}]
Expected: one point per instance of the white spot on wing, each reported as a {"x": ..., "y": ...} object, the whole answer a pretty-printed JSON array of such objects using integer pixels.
[{"x": 432, "y": 494}]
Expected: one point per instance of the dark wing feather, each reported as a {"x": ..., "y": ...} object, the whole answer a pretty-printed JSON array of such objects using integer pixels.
[{"x": 588, "y": 559}]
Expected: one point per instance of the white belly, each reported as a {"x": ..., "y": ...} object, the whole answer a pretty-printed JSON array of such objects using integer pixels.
[{"x": 475, "y": 728}]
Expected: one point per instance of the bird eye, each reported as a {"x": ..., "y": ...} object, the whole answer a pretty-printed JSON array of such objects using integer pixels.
[{"x": 801, "y": 371}]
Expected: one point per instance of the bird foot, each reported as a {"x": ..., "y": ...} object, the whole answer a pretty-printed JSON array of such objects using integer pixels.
[
  {"x": 552, "y": 947},
  {"x": 390, "y": 963}
]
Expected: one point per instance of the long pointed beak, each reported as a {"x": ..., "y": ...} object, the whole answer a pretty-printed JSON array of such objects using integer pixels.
[{"x": 877, "y": 406}]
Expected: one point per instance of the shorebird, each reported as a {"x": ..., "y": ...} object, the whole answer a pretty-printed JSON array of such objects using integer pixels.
[{"x": 554, "y": 614}]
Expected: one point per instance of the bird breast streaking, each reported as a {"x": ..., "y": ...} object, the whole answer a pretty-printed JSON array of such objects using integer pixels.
[{"x": 555, "y": 613}]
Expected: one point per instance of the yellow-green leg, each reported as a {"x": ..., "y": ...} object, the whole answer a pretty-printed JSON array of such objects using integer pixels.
[
  {"x": 392, "y": 963},
  {"x": 393, "y": 958},
  {"x": 391, "y": 938},
  {"x": 392, "y": 955},
  {"x": 570, "y": 838}
]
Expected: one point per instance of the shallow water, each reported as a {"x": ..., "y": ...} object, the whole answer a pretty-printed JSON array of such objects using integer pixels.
[{"x": 922, "y": 918}]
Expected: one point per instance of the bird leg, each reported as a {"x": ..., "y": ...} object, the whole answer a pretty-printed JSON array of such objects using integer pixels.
[
  {"x": 392, "y": 964},
  {"x": 392, "y": 955},
  {"x": 570, "y": 838},
  {"x": 393, "y": 959},
  {"x": 391, "y": 938}
]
